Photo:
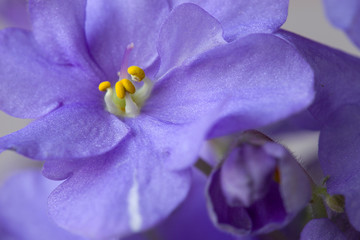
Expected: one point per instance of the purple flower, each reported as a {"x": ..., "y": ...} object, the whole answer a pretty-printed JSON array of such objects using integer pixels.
[
  {"x": 258, "y": 188},
  {"x": 345, "y": 15},
  {"x": 127, "y": 167}
]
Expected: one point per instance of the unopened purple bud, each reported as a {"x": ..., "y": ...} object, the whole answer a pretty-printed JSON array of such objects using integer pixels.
[{"x": 258, "y": 187}]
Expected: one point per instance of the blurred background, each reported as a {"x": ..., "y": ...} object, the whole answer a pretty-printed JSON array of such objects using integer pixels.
[{"x": 306, "y": 17}]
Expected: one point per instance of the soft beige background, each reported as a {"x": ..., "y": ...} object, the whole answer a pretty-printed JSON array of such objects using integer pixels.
[{"x": 306, "y": 17}]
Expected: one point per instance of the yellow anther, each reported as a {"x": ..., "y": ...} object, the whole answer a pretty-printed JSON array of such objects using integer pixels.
[
  {"x": 120, "y": 90},
  {"x": 129, "y": 87},
  {"x": 136, "y": 72},
  {"x": 104, "y": 85}
]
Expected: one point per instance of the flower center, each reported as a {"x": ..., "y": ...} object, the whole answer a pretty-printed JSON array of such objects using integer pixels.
[{"x": 125, "y": 99}]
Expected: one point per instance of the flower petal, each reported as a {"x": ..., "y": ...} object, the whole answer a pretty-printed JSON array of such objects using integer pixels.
[
  {"x": 119, "y": 23},
  {"x": 346, "y": 16},
  {"x": 14, "y": 13},
  {"x": 58, "y": 27},
  {"x": 192, "y": 30},
  {"x": 70, "y": 132},
  {"x": 321, "y": 229},
  {"x": 23, "y": 212},
  {"x": 339, "y": 158},
  {"x": 190, "y": 220},
  {"x": 336, "y": 73},
  {"x": 125, "y": 191},
  {"x": 31, "y": 86},
  {"x": 256, "y": 80},
  {"x": 241, "y": 17}
]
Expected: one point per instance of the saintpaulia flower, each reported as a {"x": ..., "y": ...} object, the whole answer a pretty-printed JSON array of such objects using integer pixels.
[
  {"x": 337, "y": 109},
  {"x": 345, "y": 15},
  {"x": 126, "y": 150},
  {"x": 258, "y": 188}
]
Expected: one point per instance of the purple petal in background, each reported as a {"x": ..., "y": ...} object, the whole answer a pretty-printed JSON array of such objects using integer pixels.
[
  {"x": 345, "y": 15},
  {"x": 339, "y": 155},
  {"x": 321, "y": 229},
  {"x": 23, "y": 213},
  {"x": 337, "y": 75}
]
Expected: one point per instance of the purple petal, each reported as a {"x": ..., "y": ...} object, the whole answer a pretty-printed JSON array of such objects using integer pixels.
[
  {"x": 127, "y": 190},
  {"x": 321, "y": 229},
  {"x": 336, "y": 75},
  {"x": 241, "y": 17},
  {"x": 245, "y": 165},
  {"x": 14, "y": 13},
  {"x": 190, "y": 220},
  {"x": 31, "y": 86},
  {"x": 255, "y": 80},
  {"x": 339, "y": 158},
  {"x": 346, "y": 16},
  {"x": 192, "y": 30},
  {"x": 70, "y": 132},
  {"x": 23, "y": 212},
  {"x": 231, "y": 219},
  {"x": 112, "y": 25},
  {"x": 59, "y": 28}
]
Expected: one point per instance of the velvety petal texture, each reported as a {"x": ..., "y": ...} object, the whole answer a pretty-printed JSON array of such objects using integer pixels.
[
  {"x": 127, "y": 190},
  {"x": 339, "y": 157},
  {"x": 23, "y": 213},
  {"x": 190, "y": 220},
  {"x": 59, "y": 28},
  {"x": 346, "y": 16},
  {"x": 31, "y": 86},
  {"x": 321, "y": 229},
  {"x": 255, "y": 80},
  {"x": 73, "y": 131},
  {"x": 119, "y": 23},
  {"x": 192, "y": 30},
  {"x": 242, "y": 17},
  {"x": 337, "y": 75},
  {"x": 258, "y": 188}
]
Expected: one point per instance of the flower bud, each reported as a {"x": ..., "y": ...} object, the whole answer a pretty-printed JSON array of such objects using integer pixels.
[{"x": 259, "y": 187}]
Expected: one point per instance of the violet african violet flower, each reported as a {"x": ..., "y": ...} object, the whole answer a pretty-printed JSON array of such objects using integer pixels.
[
  {"x": 126, "y": 153},
  {"x": 258, "y": 188},
  {"x": 345, "y": 15}
]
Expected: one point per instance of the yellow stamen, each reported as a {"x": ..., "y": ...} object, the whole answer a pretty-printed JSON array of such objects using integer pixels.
[
  {"x": 120, "y": 90},
  {"x": 104, "y": 85},
  {"x": 276, "y": 176},
  {"x": 136, "y": 73},
  {"x": 129, "y": 87}
]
